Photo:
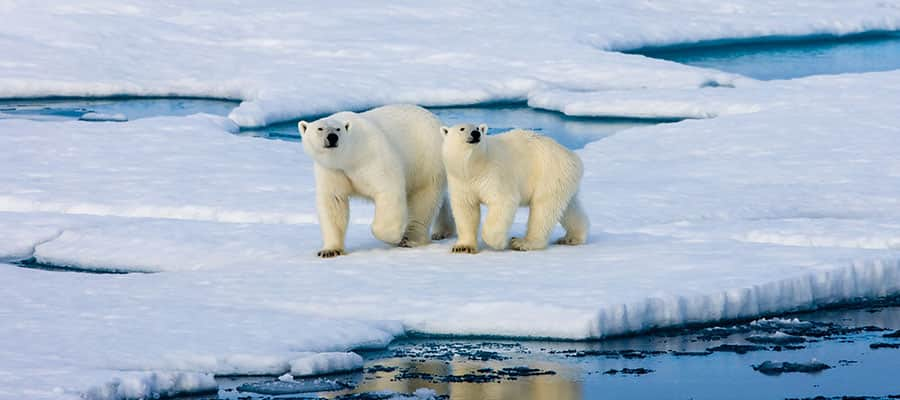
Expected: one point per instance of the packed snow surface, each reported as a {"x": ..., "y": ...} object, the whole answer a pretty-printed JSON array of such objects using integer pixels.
[{"x": 784, "y": 198}]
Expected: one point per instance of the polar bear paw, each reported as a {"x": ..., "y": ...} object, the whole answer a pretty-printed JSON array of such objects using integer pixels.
[
  {"x": 410, "y": 242},
  {"x": 329, "y": 253},
  {"x": 570, "y": 241},
  {"x": 441, "y": 235},
  {"x": 464, "y": 249},
  {"x": 520, "y": 244}
]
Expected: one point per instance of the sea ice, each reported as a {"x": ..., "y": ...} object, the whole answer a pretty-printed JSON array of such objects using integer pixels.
[{"x": 786, "y": 200}]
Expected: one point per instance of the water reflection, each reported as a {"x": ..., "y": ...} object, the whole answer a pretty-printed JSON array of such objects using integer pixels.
[{"x": 559, "y": 386}]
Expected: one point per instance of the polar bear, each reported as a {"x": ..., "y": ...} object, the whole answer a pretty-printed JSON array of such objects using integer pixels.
[
  {"x": 506, "y": 171},
  {"x": 390, "y": 155}
]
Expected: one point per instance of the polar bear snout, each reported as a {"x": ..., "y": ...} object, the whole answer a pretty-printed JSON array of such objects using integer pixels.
[
  {"x": 474, "y": 137},
  {"x": 331, "y": 141}
]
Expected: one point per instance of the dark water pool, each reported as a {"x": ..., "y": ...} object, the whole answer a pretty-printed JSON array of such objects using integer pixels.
[
  {"x": 128, "y": 107},
  {"x": 709, "y": 363},
  {"x": 784, "y": 58},
  {"x": 571, "y": 132}
]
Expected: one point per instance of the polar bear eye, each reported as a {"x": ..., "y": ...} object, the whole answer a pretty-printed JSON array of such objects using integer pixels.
[
  {"x": 320, "y": 129},
  {"x": 338, "y": 129},
  {"x": 462, "y": 129}
]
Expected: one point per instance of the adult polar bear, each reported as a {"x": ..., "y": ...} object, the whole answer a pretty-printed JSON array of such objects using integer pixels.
[
  {"x": 390, "y": 155},
  {"x": 516, "y": 168}
]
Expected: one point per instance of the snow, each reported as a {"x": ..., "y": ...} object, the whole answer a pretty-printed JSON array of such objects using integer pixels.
[
  {"x": 156, "y": 166},
  {"x": 784, "y": 198},
  {"x": 288, "y": 60},
  {"x": 106, "y": 331}
]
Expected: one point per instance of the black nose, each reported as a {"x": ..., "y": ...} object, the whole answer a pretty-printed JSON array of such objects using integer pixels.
[
  {"x": 476, "y": 135},
  {"x": 332, "y": 139}
]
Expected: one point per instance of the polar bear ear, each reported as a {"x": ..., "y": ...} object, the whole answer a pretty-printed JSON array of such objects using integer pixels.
[
  {"x": 303, "y": 125},
  {"x": 483, "y": 129},
  {"x": 445, "y": 130}
]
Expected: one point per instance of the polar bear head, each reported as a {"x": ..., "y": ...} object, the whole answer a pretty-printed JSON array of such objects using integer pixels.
[
  {"x": 464, "y": 144},
  {"x": 464, "y": 134},
  {"x": 327, "y": 140}
]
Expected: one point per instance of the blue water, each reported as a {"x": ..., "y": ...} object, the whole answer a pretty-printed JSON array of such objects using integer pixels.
[
  {"x": 786, "y": 59},
  {"x": 131, "y": 108},
  {"x": 856, "y": 369}
]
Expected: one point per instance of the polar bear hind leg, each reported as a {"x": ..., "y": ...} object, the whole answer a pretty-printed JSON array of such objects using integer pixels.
[
  {"x": 500, "y": 216},
  {"x": 576, "y": 224},
  {"x": 542, "y": 217},
  {"x": 423, "y": 205},
  {"x": 389, "y": 223},
  {"x": 443, "y": 225}
]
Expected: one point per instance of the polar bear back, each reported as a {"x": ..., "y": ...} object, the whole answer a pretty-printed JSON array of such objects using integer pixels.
[{"x": 532, "y": 163}]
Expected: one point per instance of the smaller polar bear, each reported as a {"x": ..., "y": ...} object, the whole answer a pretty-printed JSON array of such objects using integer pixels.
[
  {"x": 506, "y": 171},
  {"x": 390, "y": 155}
]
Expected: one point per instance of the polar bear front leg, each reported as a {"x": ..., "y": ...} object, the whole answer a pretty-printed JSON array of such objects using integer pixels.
[
  {"x": 467, "y": 215},
  {"x": 390, "y": 221},
  {"x": 333, "y": 208},
  {"x": 496, "y": 226},
  {"x": 334, "y": 213}
]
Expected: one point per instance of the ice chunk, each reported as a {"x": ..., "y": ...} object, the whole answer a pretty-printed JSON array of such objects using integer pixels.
[
  {"x": 325, "y": 363},
  {"x": 776, "y": 338},
  {"x": 138, "y": 386},
  {"x": 778, "y": 368},
  {"x": 282, "y": 387},
  {"x": 101, "y": 117}
]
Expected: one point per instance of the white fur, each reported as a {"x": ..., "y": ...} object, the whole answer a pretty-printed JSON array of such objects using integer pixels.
[
  {"x": 390, "y": 155},
  {"x": 506, "y": 171}
]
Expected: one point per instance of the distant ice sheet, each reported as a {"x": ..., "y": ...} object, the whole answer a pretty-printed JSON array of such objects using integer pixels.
[{"x": 291, "y": 60}]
